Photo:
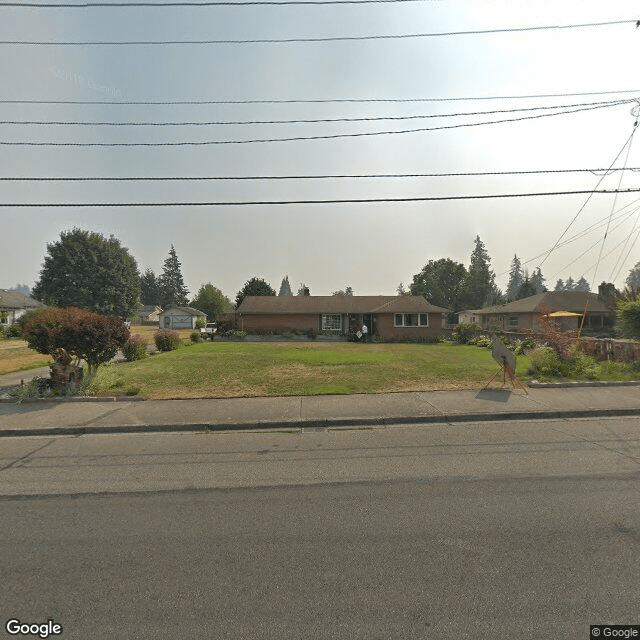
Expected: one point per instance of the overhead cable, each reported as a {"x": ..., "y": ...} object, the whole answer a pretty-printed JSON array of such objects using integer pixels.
[
  {"x": 310, "y": 202},
  {"x": 307, "y": 121},
  {"x": 155, "y": 5},
  {"x": 334, "y": 136},
  {"x": 320, "y": 100},
  {"x": 400, "y": 36}
]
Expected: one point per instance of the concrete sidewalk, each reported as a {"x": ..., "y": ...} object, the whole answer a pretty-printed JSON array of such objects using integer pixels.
[{"x": 129, "y": 415}]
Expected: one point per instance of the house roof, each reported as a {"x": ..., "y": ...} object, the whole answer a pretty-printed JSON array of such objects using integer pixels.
[
  {"x": 337, "y": 304},
  {"x": 17, "y": 300},
  {"x": 574, "y": 301},
  {"x": 149, "y": 308},
  {"x": 188, "y": 311}
]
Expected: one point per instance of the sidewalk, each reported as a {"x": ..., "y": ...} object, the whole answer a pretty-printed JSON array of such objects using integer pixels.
[{"x": 137, "y": 415}]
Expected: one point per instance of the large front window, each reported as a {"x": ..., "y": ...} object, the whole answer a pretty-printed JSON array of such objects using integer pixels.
[
  {"x": 411, "y": 320},
  {"x": 331, "y": 322}
]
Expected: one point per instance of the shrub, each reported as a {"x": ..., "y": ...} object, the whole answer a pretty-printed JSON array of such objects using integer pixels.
[
  {"x": 464, "y": 332},
  {"x": 224, "y": 326},
  {"x": 85, "y": 335},
  {"x": 135, "y": 348},
  {"x": 312, "y": 334},
  {"x": 628, "y": 314},
  {"x": 195, "y": 337},
  {"x": 234, "y": 334},
  {"x": 166, "y": 340},
  {"x": 2, "y": 332},
  {"x": 484, "y": 342},
  {"x": 200, "y": 322},
  {"x": 14, "y": 331},
  {"x": 545, "y": 362}
]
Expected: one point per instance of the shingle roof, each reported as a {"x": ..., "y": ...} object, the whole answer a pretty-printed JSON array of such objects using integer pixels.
[
  {"x": 189, "y": 311},
  {"x": 574, "y": 301},
  {"x": 17, "y": 300},
  {"x": 337, "y": 304}
]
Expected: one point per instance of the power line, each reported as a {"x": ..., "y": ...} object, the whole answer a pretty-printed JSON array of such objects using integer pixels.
[
  {"x": 401, "y": 36},
  {"x": 241, "y": 3},
  {"x": 319, "y": 101},
  {"x": 308, "y": 121},
  {"x": 334, "y": 136},
  {"x": 300, "y": 177},
  {"x": 301, "y": 202}
]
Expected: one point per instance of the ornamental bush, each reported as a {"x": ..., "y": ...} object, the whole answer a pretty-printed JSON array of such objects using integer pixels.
[
  {"x": 84, "y": 335},
  {"x": 135, "y": 348},
  {"x": 166, "y": 340},
  {"x": 465, "y": 332}
]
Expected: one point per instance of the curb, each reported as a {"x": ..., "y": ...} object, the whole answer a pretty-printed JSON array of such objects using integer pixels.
[
  {"x": 534, "y": 384},
  {"x": 327, "y": 423},
  {"x": 74, "y": 399}
]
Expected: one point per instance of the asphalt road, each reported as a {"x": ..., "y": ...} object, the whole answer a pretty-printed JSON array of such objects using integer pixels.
[{"x": 527, "y": 530}]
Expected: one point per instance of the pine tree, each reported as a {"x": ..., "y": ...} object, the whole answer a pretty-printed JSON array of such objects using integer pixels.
[
  {"x": 537, "y": 280},
  {"x": 149, "y": 289},
  {"x": 480, "y": 285},
  {"x": 516, "y": 278},
  {"x": 582, "y": 285},
  {"x": 526, "y": 289},
  {"x": 569, "y": 285},
  {"x": 285, "y": 287},
  {"x": 559, "y": 285},
  {"x": 633, "y": 279},
  {"x": 172, "y": 289}
]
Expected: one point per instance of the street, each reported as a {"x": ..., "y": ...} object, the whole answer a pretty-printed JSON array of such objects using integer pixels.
[{"x": 504, "y": 530}]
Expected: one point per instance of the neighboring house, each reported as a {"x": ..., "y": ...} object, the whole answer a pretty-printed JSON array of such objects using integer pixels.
[
  {"x": 469, "y": 316},
  {"x": 391, "y": 317},
  {"x": 180, "y": 318},
  {"x": 566, "y": 307},
  {"x": 148, "y": 314},
  {"x": 14, "y": 304}
]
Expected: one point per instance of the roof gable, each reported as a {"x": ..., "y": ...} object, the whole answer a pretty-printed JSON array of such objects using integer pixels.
[
  {"x": 17, "y": 300},
  {"x": 573, "y": 301}
]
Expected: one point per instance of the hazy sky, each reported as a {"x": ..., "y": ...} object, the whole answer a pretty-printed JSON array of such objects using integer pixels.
[{"x": 369, "y": 246}]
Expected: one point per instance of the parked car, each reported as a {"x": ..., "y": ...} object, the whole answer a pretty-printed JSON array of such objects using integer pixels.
[{"x": 208, "y": 331}]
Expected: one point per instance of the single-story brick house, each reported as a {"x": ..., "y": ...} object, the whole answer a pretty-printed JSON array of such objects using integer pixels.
[
  {"x": 566, "y": 307},
  {"x": 14, "y": 304},
  {"x": 180, "y": 318},
  {"x": 391, "y": 317}
]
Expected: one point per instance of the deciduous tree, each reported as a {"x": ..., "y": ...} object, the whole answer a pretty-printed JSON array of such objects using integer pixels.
[
  {"x": 633, "y": 279},
  {"x": 628, "y": 314},
  {"x": 84, "y": 269},
  {"x": 211, "y": 300},
  {"x": 441, "y": 282},
  {"x": 254, "y": 287}
]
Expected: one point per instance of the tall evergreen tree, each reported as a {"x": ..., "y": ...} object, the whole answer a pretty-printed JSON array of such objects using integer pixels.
[
  {"x": 86, "y": 270},
  {"x": 538, "y": 280},
  {"x": 480, "y": 285},
  {"x": 149, "y": 289},
  {"x": 633, "y": 279},
  {"x": 172, "y": 289},
  {"x": 516, "y": 278},
  {"x": 559, "y": 285},
  {"x": 569, "y": 285},
  {"x": 526, "y": 289},
  {"x": 582, "y": 285},
  {"x": 285, "y": 287}
]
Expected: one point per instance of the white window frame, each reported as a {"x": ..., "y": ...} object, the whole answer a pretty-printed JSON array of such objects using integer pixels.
[
  {"x": 326, "y": 316},
  {"x": 403, "y": 320}
]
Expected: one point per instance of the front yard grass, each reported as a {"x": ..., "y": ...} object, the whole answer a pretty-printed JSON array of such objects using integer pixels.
[
  {"x": 229, "y": 369},
  {"x": 16, "y": 356}
]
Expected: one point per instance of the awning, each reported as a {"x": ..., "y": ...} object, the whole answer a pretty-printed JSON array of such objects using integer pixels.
[{"x": 564, "y": 314}]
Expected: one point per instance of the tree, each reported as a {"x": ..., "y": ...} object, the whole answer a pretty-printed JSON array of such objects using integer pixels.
[
  {"x": 559, "y": 285},
  {"x": 569, "y": 285},
  {"x": 628, "y": 315},
  {"x": 526, "y": 289},
  {"x": 22, "y": 288},
  {"x": 172, "y": 289},
  {"x": 285, "y": 287},
  {"x": 211, "y": 300},
  {"x": 633, "y": 279},
  {"x": 516, "y": 278},
  {"x": 348, "y": 291},
  {"x": 86, "y": 270},
  {"x": 254, "y": 287},
  {"x": 401, "y": 291},
  {"x": 480, "y": 284},
  {"x": 149, "y": 288},
  {"x": 441, "y": 282},
  {"x": 582, "y": 285},
  {"x": 303, "y": 290},
  {"x": 538, "y": 280},
  {"x": 85, "y": 335}
]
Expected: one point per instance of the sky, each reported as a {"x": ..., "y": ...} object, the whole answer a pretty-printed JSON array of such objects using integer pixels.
[{"x": 370, "y": 246}]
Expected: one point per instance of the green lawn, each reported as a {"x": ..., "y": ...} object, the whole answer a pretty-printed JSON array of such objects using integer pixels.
[{"x": 226, "y": 370}]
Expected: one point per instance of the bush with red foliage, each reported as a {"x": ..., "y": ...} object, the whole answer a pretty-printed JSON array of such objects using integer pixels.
[{"x": 84, "y": 334}]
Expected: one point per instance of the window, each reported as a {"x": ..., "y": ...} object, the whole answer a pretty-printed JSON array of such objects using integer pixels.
[
  {"x": 513, "y": 322},
  {"x": 411, "y": 320},
  {"x": 331, "y": 322}
]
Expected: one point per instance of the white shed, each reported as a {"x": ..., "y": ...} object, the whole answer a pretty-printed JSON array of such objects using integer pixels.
[{"x": 180, "y": 318}]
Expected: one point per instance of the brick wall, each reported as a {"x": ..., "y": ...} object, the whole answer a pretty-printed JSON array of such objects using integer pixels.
[
  {"x": 384, "y": 327},
  {"x": 277, "y": 323}
]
